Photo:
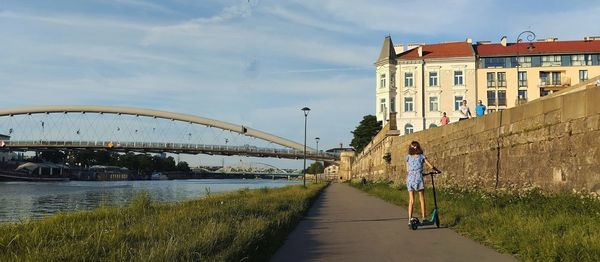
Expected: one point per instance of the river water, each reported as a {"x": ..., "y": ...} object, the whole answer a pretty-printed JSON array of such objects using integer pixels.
[{"x": 32, "y": 200}]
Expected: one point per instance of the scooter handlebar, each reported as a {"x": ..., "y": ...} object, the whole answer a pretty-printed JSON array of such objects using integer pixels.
[{"x": 435, "y": 171}]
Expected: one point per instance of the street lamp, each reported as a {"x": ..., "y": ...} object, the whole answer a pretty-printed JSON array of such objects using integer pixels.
[
  {"x": 530, "y": 36},
  {"x": 305, "y": 110},
  {"x": 316, "y": 175}
]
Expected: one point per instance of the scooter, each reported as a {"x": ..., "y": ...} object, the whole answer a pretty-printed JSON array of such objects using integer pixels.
[{"x": 435, "y": 219}]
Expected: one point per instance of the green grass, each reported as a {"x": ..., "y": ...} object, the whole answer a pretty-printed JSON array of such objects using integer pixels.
[
  {"x": 532, "y": 226},
  {"x": 245, "y": 225}
]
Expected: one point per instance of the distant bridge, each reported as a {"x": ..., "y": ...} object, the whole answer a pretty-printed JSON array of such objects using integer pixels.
[{"x": 140, "y": 130}]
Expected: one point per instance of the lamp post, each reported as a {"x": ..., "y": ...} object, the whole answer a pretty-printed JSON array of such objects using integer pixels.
[
  {"x": 316, "y": 175},
  {"x": 305, "y": 110},
  {"x": 530, "y": 36}
]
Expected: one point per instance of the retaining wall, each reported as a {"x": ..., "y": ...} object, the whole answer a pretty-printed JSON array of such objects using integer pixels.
[{"x": 550, "y": 143}]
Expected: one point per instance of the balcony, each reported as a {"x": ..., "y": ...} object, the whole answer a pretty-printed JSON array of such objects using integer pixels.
[{"x": 554, "y": 83}]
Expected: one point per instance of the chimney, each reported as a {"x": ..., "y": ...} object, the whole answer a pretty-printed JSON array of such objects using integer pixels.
[
  {"x": 420, "y": 51},
  {"x": 503, "y": 41},
  {"x": 551, "y": 39},
  {"x": 469, "y": 40},
  {"x": 591, "y": 38},
  {"x": 399, "y": 48}
]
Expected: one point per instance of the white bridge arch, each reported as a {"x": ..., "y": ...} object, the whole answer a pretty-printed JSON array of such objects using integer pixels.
[{"x": 192, "y": 119}]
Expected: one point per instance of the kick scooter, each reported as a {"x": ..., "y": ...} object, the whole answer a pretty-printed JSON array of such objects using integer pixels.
[{"x": 435, "y": 219}]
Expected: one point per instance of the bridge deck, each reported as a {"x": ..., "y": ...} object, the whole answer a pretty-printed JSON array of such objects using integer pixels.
[
  {"x": 170, "y": 148},
  {"x": 346, "y": 224}
]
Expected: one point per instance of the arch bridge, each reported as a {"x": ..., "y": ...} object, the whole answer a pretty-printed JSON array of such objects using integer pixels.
[{"x": 125, "y": 129}]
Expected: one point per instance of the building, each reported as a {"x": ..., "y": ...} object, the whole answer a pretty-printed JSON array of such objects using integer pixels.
[
  {"x": 5, "y": 156},
  {"x": 418, "y": 83},
  {"x": 513, "y": 73},
  {"x": 422, "y": 81}
]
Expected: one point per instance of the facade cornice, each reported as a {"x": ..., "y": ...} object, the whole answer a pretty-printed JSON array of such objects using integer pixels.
[{"x": 386, "y": 62}]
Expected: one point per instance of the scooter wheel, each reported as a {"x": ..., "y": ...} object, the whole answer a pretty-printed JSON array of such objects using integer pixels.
[
  {"x": 437, "y": 222},
  {"x": 414, "y": 224}
]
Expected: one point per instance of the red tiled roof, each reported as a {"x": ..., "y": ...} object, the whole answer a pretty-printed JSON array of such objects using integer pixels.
[
  {"x": 558, "y": 47},
  {"x": 442, "y": 50}
]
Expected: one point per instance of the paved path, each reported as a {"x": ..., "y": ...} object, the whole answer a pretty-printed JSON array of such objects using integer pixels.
[{"x": 346, "y": 224}]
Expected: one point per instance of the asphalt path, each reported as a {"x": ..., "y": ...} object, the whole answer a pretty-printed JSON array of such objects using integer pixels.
[{"x": 346, "y": 224}]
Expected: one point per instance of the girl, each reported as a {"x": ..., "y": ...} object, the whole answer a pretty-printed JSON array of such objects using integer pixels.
[{"x": 414, "y": 178}]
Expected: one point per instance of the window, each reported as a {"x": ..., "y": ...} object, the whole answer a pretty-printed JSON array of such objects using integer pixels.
[
  {"x": 491, "y": 98},
  {"x": 577, "y": 60},
  {"x": 556, "y": 78},
  {"x": 433, "y": 78},
  {"x": 393, "y": 104},
  {"x": 524, "y": 61},
  {"x": 551, "y": 60},
  {"x": 502, "y": 97},
  {"x": 408, "y": 79},
  {"x": 501, "y": 79},
  {"x": 494, "y": 62},
  {"x": 382, "y": 81},
  {"x": 491, "y": 79},
  {"x": 432, "y": 125},
  {"x": 393, "y": 80},
  {"x": 544, "y": 79},
  {"x": 408, "y": 104},
  {"x": 565, "y": 60},
  {"x": 522, "y": 79},
  {"x": 457, "y": 101},
  {"x": 408, "y": 129},
  {"x": 491, "y": 110},
  {"x": 583, "y": 75},
  {"x": 522, "y": 95},
  {"x": 433, "y": 104},
  {"x": 382, "y": 105},
  {"x": 458, "y": 78},
  {"x": 536, "y": 61}
]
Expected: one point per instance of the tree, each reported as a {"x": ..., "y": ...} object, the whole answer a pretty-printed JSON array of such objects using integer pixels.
[
  {"x": 183, "y": 166},
  {"x": 315, "y": 168},
  {"x": 54, "y": 156},
  {"x": 364, "y": 132}
]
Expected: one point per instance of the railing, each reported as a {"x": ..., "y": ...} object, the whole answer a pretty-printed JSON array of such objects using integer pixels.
[
  {"x": 549, "y": 82},
  {"x": 173, "y": 147}
]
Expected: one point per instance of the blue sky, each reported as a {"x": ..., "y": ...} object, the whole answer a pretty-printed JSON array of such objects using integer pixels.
[{"x": 251, "y": 62}]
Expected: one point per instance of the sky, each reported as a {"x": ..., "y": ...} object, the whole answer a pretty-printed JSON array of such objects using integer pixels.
[{"x": 249, "y": 62}]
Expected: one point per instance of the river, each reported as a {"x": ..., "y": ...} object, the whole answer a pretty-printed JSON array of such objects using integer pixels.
[{"x": 33, "y": 200}]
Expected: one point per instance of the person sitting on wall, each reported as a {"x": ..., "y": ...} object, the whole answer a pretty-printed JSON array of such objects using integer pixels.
[
  {"x": 480, "y": 108},
  {"x": 444, "y": 120},
  {"x": 464, "y": 111}
]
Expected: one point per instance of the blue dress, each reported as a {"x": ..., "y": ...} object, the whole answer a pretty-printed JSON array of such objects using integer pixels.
[{"x": 414, "y": 178}]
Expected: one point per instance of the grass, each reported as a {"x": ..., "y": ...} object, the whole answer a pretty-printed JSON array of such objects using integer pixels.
[
  {"x": 246, "y": 225},
  {"x": 532, "y": 226}
]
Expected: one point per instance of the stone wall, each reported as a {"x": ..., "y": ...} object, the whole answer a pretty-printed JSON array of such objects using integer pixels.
[{"x": 551, "y": 143}]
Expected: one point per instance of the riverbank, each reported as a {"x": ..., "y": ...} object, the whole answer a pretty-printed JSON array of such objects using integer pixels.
[
  {"x": 245, "y": 225},
  {"x": 531, "y": 226}
]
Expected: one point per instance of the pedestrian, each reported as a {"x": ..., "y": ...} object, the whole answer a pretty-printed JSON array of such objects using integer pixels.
[
  {"x": 464, "y": 111},
  {"x": 598, "y": 82},
  {"x": 480, "y": 108},
  {"x": 414, "y": 178},
  {"x": 444, "y": 120}
]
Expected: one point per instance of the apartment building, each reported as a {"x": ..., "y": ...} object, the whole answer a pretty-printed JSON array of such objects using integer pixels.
[
  {"x": 510, "y": 74},
  {"x": 421, "y": 81}
]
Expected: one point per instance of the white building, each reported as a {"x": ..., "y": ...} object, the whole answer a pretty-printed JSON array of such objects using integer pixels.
[{"x": 423, "y": 81}]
